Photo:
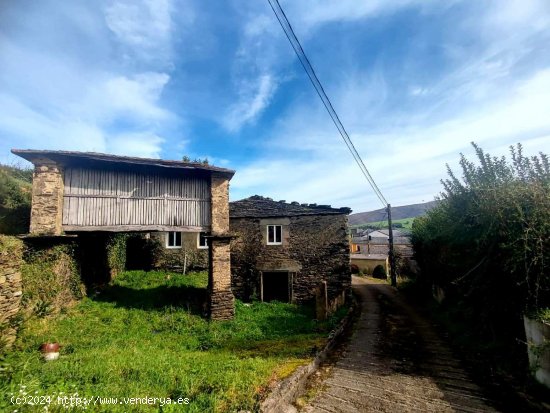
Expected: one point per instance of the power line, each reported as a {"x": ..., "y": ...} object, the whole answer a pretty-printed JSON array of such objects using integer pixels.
[{"x": 291, "y": 36}]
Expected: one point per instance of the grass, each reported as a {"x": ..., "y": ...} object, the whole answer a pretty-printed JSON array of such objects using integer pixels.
[
  {"x": 144, "y": 336},
  {"x": 405, "y": 223}
]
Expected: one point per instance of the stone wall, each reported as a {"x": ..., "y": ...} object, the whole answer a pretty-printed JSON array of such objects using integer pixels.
[
  {"x": 11, "y": 252},
  {"x": 188, "y": 256},
  {"x": 47, "y": 199},
  {"x": 315, "y": 248},
  {"x": 367, "y": 265}
]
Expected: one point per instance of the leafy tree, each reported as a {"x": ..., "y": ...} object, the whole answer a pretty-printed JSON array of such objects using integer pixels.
[{"x": 196, "y": 160}]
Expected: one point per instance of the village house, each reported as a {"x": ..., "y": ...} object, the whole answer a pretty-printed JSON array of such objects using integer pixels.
[
  {"x": 370, "y": 249},
  {"x": 285, "y": 251}
]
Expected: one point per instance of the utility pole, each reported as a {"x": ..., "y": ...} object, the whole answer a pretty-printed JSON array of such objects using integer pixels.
[{"x": 393, "y": 273}]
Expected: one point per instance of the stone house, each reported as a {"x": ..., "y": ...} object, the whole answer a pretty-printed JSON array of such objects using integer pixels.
[
  {"x": 284, "y": 251},
  {"x": 180, "y": 251}
]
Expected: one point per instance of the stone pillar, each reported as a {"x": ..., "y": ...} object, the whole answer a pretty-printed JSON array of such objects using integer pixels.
[
  {"x": 219, "y": 190},
  {"x": 47, "y": 199},
  {"x": 11, "y": 251},
  {"x": 222, "y": 301}
]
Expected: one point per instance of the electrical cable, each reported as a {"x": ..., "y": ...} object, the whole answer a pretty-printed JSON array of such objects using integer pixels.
[{"x": 302, "y": 57}]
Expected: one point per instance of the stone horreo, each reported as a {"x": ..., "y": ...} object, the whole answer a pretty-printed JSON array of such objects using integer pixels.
[
  {"x": 287, "y": 251},
  {"x": 86, "y": 194}
]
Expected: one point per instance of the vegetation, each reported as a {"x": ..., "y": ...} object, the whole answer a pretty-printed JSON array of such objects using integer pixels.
[
  {"x": 405, "y": 223},
  {"x": 379, "y": 272},
  {"x": 144, "y": 336},
  {"x": 15, "y": 199},
  {"x": 195, "y": 160},
  {"x": 116, "y": 253},
  {"x": 487, "y": 245},
  {"x": 51, "y": 280}
]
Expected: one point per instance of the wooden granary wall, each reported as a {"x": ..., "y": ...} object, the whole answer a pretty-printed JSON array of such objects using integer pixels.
[{"x": 129, "y": 200}]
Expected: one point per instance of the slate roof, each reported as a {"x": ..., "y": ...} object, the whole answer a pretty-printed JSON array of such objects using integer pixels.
[
  {"x": 260, "y": 207},
  {"x": 79, "y": 158}
]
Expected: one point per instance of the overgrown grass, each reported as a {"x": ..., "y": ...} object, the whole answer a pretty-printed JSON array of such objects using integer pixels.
[{"x": 145, "y": 336}]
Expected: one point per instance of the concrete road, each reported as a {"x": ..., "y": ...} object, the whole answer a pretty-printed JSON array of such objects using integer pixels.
[{"x": 395, "y": 362}]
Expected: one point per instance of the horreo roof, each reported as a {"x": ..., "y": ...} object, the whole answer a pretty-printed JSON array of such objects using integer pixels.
[{"x": 98, "y": 159}]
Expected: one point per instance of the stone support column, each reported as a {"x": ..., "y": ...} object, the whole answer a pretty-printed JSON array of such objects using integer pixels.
[
  {"x": 222, "y": 301},
  {"x": 47, "y": 199}
]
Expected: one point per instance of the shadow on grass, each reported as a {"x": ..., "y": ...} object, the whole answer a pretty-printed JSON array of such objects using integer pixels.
[{"x": 192, "y": 299}]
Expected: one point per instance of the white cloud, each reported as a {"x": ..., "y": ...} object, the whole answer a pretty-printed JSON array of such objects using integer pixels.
[
  {"x": 144, "y": 27},
  {"x": 54, "y": 97},
  {"x": 308, "y": 162},
  {"x": 255, "y": 97},
  {"x": 310, "y": 13},
  {"x": 137, "y": 96},
  {"x": 143, "y": 144}
]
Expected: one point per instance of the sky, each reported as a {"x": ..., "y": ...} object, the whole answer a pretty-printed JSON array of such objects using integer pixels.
[{"x": 413, "y": 81}]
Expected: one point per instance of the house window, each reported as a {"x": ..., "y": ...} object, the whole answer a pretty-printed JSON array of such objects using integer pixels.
[
  {"x": 173, "y": 239},
  {"x": 274, "y": 235},
  {"x": 202, "y": 241}
]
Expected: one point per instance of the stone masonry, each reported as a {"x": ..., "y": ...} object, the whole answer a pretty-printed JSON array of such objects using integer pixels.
[
  {"x": 189, "y": 255},
  {"x": 314, "y": 249},
  {"x": 47, "y": 199},
  {"x": 222, "y": 301},
  {"x": 11, "y": 250}
]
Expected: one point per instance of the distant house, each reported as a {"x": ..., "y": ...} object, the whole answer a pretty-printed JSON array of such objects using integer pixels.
[
  {"x": 376, "y": 242},
  {"x": 366, "y": 263},
  {"x": 371, "y": 248},
  {"x": 283, "y": 251}
]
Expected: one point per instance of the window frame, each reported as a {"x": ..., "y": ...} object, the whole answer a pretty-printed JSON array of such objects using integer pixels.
[
  {"x": 167, "y": 240},
  {"x": 199, "y": 246},
  {"x": 274, "y": 242}
]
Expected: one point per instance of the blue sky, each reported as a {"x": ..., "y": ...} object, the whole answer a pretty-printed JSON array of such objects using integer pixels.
[{"x": 413, "y": 81}]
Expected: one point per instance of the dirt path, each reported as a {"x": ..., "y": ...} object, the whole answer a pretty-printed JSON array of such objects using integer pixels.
[{"x": 395, "y": 362}]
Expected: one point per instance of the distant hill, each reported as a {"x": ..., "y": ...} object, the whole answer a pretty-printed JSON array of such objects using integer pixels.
[{"x": 400, "y": 212}]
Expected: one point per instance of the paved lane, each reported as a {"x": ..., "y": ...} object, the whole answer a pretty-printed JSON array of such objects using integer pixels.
[{"x": 395, "y": 362}]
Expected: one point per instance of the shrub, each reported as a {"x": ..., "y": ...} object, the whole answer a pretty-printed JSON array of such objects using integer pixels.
[
  {"x": 488, "y": 241},
  {"x": 354, "y": 269},
  {"x": 379, "y": 272},
  {"x": 51, "y": 280},
  {"x": 116, "y": 253}
]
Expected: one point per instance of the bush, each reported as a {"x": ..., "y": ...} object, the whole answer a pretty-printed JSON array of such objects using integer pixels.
[
  {"x": 51, "y": 280},
  {"x": 116, "y": 253},
  {"x": 488, "y": 241},
  {"x": 379, "y": 272},
  {"x": 354, "y": 269}
]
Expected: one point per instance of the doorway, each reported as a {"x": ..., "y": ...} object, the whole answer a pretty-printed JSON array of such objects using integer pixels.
[{"x": 276, "y": 286}]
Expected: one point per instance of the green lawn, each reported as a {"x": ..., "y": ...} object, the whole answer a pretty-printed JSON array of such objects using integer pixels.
[{"x": 144, "y": 336}]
